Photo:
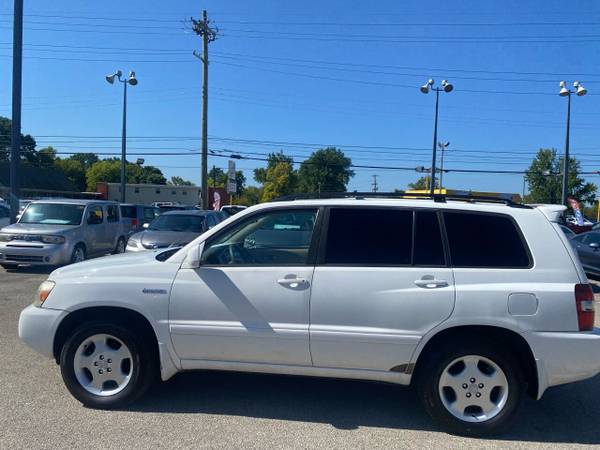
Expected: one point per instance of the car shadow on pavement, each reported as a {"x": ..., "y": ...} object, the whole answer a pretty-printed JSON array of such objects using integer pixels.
[{"x": 566, "y": 414}]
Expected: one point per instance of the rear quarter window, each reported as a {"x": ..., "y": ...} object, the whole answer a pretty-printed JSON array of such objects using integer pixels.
[
  {"x": 128, "y": 211},
  {"x": 485, "y": 240}
]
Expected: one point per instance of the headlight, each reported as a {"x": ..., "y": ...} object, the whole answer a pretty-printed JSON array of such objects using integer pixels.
[
  {"x": 53, "y": 239},
  {"x": 43, "y": 292},
  {"x": 5, "y": 237}
]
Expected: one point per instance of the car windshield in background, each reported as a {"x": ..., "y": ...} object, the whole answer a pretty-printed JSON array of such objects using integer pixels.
[
  {"x": 175, "y": 222},
  {"x": 53, "y": 214}
]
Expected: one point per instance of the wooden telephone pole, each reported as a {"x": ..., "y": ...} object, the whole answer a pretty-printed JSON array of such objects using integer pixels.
[{"x": 202, "y": 28}]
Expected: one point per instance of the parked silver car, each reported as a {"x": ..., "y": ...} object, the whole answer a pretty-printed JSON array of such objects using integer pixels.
[
  {"x": 64, "y": 231},
  {"x": 587, "y": 246},
  {"x": 173, "y": 229}
]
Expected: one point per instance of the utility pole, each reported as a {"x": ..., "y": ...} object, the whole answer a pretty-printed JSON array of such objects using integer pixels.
[
  {"x": 442, "y": 146},
  {"x": 15, "y": 133},
  {"x": 374, "y": 184},
  {"x": 202, "y": 28}
]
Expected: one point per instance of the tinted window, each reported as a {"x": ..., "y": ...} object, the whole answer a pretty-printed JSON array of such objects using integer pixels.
[
  {"x": 149, "y": 214},
  {"x": 96, "y": 215},
  {"x": 429, "y": 250},
  {"x": 178, "y": 222},
  {"x": 111, "y": 213},
  {"x": 128, "y": 211},
  {"x": 484, "y": 240},
  {"x": 272, "y": 238},
  {"x": 369, "y": 236}
]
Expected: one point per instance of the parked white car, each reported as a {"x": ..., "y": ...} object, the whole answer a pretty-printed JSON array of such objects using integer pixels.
[{"x": 473, "y": 303}]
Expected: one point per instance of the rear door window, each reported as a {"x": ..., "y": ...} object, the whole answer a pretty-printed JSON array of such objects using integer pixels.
[
  {"x": 429, "y": 247},
  {"x": 369, "y": 236},
  {"x": 485, "y": 240},
  {"x": 111, "y": 213}
]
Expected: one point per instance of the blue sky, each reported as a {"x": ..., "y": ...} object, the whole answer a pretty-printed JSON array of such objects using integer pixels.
[{"x": 332, "y": 72}]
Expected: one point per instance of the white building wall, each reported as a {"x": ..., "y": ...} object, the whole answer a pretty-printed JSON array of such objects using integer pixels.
[{"x": 149, "y": 193}]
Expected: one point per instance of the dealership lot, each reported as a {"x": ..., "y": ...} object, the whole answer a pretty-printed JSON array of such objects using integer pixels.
[{"x": 252, "y": 411}]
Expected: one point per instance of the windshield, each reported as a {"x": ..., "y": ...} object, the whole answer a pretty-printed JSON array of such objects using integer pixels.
[
  {"x": 53, "y": 214},
  {"x": 175, "y": 222}
]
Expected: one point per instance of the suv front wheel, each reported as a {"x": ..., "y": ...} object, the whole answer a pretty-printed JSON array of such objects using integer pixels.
[
  {"x": 104, "y": 365},
  {"x": 471, "y": 389}
]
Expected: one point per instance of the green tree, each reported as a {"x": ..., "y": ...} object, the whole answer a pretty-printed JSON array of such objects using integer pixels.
[
  {"x": 74, "y": 171},
  {"x": 109, "y": 170},
  {"x": 86, "y": 159},
  {"x": 46, "y": 157},
  {"x": 280, "y": 179},
  {"x": 28, "y": 144},
  {"x": 218, "y": 178},
  {"x": 545, "y": 182},
  {"x": 178, "y": 181},
  {"x": 326, "y": 170},
  {"x": 251, "y": 196},
  {"x": 423, "y": 183},
  {"x": 260, "y": 174}
]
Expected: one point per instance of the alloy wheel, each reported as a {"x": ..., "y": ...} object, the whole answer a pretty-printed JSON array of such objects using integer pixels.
[{"x": 473, "y": 388}]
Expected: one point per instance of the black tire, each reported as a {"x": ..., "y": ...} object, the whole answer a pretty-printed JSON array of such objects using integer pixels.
[
  {"x": 144, "y": 365},
  {"x": 120, "y": 247},
  {"x": 428, "y": 378},
  {"x": 74, "y": 255}
]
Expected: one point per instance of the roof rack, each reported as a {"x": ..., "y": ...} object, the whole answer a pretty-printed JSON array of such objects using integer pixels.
[{"x": 442, "y": 198}]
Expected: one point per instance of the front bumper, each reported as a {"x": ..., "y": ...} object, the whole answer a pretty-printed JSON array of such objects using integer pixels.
[
  {"x": 565, "y": 357},
  {"x": 37, "y": 253},
  {"x": 37, "y": 328}
]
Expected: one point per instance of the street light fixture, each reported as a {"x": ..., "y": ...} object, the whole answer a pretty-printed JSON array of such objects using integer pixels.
[
  {"x": 132, "y": 80},
  {"x": 565, "y": 92},
  {"x": 446, "y": 87}
]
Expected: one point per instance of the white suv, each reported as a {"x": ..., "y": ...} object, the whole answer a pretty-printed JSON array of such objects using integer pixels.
[{"x": 474, "y": 303}]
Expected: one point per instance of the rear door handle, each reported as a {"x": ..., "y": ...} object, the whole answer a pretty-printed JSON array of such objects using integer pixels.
[{"x": 431, "y": 283}]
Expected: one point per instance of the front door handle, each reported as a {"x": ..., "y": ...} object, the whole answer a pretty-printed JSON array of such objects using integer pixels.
[
  {"x": 293, "y": 283},
  {"x": 431, "y": 283}
]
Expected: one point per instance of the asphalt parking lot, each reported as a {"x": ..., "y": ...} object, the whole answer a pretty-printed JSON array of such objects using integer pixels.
[{"x": 228, "y": 410}]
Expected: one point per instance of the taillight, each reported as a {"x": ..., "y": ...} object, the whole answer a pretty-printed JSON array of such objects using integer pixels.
[
  {"x": 584, "y": 300},
  {"x": 134, "y": 223}
]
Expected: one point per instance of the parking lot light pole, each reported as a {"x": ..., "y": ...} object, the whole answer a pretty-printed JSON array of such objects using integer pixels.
[
  {"x": 564, "y": 92},
  {"x": 132, "y": 80},
  {"x": 446, "y": 87}
]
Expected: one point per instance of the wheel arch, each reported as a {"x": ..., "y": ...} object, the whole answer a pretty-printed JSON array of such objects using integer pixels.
[
  {"x": 499, "y": 335},
  {"x": 118, "y": 315}
]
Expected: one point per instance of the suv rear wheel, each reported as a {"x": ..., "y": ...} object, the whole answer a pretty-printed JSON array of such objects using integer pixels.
[
  {"x": 472, "y": 390},
  {"x": 105, "y": 365}
]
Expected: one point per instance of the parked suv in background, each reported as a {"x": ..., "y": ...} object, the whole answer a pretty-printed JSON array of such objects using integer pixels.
[
  {"x": 474, "y": 304},
  {"x": 134, "y": 217},
  {"x": 58, "y": 232}
]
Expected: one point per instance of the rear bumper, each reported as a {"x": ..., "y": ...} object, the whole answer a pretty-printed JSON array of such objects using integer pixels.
[
  {"x": 37, "y": 327},
  {"x": 565, "y": 357},
  {"x": 34, "y": 254}
]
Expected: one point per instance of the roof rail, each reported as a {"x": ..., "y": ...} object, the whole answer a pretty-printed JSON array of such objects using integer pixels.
[{"x": 403, "y": 195}]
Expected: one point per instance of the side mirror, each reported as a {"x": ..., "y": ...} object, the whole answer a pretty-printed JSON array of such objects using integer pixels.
[
  {"x": 194, "y": 257},
  {"x": 145, "y": 226}
]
